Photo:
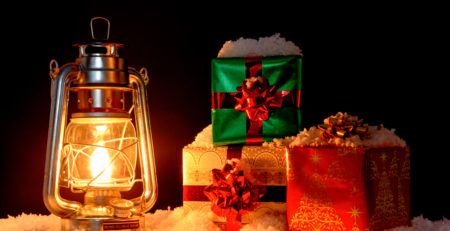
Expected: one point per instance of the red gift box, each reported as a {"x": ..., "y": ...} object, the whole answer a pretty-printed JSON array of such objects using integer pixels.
[{"x": 343, "y": 188}]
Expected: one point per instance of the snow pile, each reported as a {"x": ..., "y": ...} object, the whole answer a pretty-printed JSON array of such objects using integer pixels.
[
  {"x": 379, "y": 136},
  {"x": 203, "y": 139},
  {"x": 179, "y": 219},
  {"x": 312, "y": 137},
  {"x": 162, "y": 220},
  {"x": 265, "y": 46},
  {"x": 383, "y": 137},
  {"x": 31, "y": 222},
  {"x": 422, "y": 224}
]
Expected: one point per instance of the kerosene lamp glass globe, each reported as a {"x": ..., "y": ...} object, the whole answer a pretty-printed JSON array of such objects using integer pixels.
[{"x": 100, "y": 153}]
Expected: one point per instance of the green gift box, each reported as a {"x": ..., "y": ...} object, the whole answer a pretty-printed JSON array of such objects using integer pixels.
[{"x": 255, "y": 99}]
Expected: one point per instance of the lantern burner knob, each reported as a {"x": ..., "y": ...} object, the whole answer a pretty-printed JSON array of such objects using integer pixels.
[{"x": 122, "y": 207}]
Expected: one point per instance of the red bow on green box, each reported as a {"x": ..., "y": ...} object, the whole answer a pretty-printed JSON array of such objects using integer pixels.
[{"x": 255, "y": 99}]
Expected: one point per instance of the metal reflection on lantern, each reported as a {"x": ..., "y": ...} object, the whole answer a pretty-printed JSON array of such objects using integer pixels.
[{"x": 99, "y": 142}]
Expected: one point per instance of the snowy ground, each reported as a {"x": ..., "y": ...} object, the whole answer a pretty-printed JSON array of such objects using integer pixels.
[{"x": 177, "y": 219}]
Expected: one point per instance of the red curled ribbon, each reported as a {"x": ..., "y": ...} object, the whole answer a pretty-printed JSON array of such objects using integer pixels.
[
  {"x": 256, "y": 97},
  {"x": 232, "y": 194}
]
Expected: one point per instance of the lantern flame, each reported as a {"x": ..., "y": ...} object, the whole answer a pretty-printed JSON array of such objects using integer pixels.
[
  {"x": 99, "y": 164},
  {"x": 100, "y": 161}
]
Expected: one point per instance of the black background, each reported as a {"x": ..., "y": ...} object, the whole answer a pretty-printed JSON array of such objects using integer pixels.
[{"x": 378, "y": 61}]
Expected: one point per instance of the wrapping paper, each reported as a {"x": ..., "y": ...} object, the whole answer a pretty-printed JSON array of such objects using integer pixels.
[
  {"x": 336, "y": 188},
  {"x": 265, "y": 166},
  {"x": 255, "y": 99}
]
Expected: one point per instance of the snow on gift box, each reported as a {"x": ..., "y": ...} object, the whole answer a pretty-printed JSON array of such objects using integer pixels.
[{"x": 345, "y": 175}]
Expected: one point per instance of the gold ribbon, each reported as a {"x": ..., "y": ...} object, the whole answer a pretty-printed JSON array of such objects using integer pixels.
[{"x": 343, "y": 125}]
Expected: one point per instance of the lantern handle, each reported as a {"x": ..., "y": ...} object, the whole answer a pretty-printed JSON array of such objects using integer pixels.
[
  {"x": 92, "y": 26},
  {"x": 57, "y": 123},
  {"x": 54, "y": 68},
  {"x": 144, "y": 74},
  {"x": 148, "y": 167}
]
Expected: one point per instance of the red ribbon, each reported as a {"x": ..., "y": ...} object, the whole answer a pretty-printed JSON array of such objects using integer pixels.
[
  {"x": 256, "y": 97},
  {"x": 231, "y": 193}
]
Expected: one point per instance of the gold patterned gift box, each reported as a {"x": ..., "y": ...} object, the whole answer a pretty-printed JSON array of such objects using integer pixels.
[
  {"x": 262, "y": 165},
  {"x": 359, "y": 188}
]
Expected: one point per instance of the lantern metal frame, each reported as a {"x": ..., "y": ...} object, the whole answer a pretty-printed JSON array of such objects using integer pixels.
[{"x": 92, "y": 72}]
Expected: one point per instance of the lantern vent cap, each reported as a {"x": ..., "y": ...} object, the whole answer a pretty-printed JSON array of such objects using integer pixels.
[{"x": 101, "y": 62}]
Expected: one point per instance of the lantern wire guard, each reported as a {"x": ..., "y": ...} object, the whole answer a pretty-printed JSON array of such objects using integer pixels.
[{"x": 95, "y": 150}]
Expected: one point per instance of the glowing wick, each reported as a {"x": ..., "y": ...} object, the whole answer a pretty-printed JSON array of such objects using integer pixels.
[{"x": 100, "y": 160}]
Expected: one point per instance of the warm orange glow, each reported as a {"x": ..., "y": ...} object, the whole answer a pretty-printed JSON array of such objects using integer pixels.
[
  {"x": 101, "y": 129},
  {"x": 101, "y": 153}
]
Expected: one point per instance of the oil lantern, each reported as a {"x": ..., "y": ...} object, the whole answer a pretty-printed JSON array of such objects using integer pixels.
[{"x": 99, "y": 145}]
